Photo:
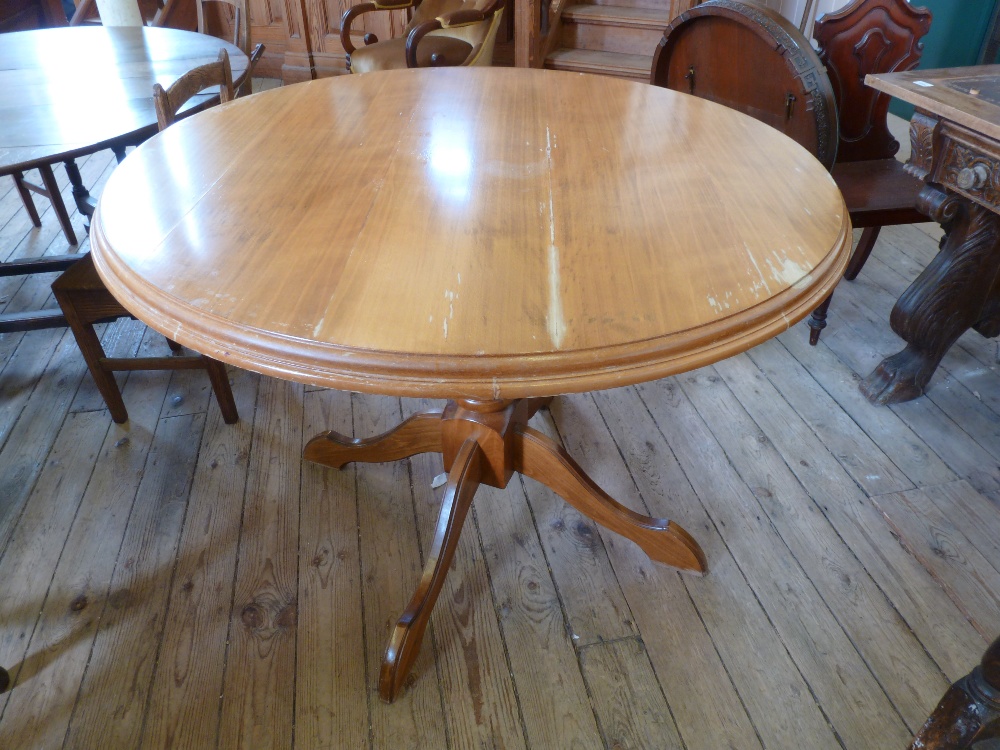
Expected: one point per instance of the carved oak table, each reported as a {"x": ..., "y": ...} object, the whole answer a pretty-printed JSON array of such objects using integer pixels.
[
  {"x": 482, "y": 235},
  {"x": 955, "y": 148},
  {"x": 67, "y": 92}
]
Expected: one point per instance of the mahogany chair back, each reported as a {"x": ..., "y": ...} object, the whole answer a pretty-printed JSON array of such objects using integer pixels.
[
  {"x": 751, "y": 59},
  {"x": 85, "y": 300},
  {"x": 864, "y": 37},
  {"x": 868, "y": 36}
]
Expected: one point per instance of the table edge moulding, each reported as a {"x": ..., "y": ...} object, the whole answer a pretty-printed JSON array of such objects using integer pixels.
[{"x": 482, "y": 432}]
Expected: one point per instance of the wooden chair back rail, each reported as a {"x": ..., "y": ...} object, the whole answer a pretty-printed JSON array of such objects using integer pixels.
[
  {"x": 85, "y": 300},
  {"x": 751, "y": 59},
  {"x": 168, "y": 102}
]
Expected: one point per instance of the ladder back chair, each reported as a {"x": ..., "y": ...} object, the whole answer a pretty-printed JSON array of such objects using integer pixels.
[
  {"x": 440, "y": 33},
  {"x": 751, "y": 59},
  {"x": 869, "y": 36},
  {"x": 85, "y": 300}
]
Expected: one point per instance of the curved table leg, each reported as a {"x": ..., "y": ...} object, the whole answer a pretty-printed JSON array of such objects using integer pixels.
[
  {"x": 485, "y": 442},
  {"x": 404, "y": 645},
  {"x": 545, "y": 461},
  {"x": 958, "y": 290},
  {"x": 421, "y": 433},
  {"x": 969, "y": 712}
]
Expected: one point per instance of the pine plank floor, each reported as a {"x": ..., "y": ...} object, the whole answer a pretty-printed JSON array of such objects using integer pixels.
[{"x": 177, "y": 582}]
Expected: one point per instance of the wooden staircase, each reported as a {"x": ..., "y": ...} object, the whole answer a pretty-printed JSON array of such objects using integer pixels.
[{"x": 612, "y": 39}]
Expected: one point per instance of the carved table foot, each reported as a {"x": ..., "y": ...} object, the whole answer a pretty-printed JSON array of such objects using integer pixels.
[
  {"x": 901, "y": 377},
  {"x": 485, "y": 443},
  {"x": 969, "y": 713},
  {"x": 957, "y": 291}
]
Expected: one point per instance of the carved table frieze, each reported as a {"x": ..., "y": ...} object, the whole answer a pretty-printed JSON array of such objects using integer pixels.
[{"x": 969, "y": 165}]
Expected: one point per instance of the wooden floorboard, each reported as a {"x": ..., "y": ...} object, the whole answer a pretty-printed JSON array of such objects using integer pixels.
[{"x": 179, "y": 582}]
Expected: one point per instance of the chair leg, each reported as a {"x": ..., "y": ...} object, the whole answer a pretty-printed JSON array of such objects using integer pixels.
[
  {"x": 817, "y": 321},
  {"x": 223, "y": 391},
  {"x": 93, "y": 354},
  {"x": 861, "y": 252},
  {"x": 49, "y": 180},
  {"x": 29, "y": 204}
]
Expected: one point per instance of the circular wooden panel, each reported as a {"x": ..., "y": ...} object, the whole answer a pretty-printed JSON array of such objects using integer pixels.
[
  {"x": 69, "y": 91},
  {"x": 483, "y": 233}
]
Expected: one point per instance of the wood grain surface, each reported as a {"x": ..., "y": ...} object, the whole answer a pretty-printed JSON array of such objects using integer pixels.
[
  {"x": 70, "y": 91},
  {"x": 946, "y": 92},
  {"x": 521, "y": 652},
  {"x": 470, "y": 233}
]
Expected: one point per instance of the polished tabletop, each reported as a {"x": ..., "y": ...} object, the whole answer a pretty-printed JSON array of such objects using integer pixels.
[
  {"x": 481, "y": 233},
  {"x": 70, "y": 91}
]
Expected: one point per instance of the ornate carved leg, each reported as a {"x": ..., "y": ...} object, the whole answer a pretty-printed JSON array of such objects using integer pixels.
[
  {"x": 421, "y": 433},
  {"x": 545, "y": 461},
  {"x": 404, "y": 645},
  {"x": 956, "y": 291},
  {"x": 969, "y": 713}
]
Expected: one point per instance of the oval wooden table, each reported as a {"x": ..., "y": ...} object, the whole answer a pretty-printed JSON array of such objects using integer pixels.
[
  {"x": 490, "y": 236},
  {"x": 67, "y": 92}
]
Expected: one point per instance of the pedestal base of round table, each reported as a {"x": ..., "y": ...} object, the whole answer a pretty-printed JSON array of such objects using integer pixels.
[{"x": 485, "y": 443}]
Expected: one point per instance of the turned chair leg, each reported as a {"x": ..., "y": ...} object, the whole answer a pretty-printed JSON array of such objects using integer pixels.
[
  {"x": 817, "y": 321},
  {"x": 861, "y": 252}
]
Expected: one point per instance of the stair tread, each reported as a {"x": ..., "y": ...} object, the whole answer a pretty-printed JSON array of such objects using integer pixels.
[
  {"x": 618, "y": 15},
  {"x": 597, "y": 61}
]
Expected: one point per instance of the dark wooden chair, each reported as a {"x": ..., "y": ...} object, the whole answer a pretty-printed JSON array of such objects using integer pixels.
[
  {"x": 85, "y": 300},
  {"x": 439, "y": 33},
  {"x": 751, "y": 59},
  {"x": 869, "y": 36}
]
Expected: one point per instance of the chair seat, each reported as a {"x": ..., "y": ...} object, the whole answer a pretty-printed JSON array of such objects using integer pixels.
[
  {"x": 386, "y": 55},
  {"x": 879, "y": 192},
  {"x": 93, "y": 299}
]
